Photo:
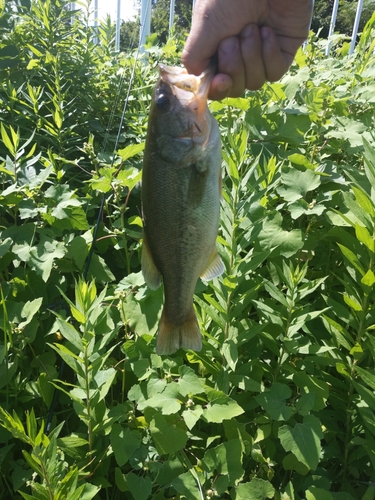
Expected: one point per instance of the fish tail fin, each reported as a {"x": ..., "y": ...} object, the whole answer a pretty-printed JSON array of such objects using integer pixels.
[{"x": 172, "y": 336}]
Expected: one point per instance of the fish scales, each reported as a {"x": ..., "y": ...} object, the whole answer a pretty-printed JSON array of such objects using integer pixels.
[{"x": 181, "y": 184}]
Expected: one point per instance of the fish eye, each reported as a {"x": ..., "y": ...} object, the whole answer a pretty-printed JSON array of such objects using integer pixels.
[{"x": 162, "y": 102}]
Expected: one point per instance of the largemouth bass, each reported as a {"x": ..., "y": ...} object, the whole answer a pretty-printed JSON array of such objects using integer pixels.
[{"x": 181, "y": 188}]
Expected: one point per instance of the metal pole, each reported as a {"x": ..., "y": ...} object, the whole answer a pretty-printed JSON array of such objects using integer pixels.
[
  {"x": 171, "y": 16},
  {"x": 118, "y": 23},
  {"x": 332, "y": 25},
  {"x": 72, "y": 8},
  {"x": 355, "y": 27},
  {"x": 145, "y": 22},
  {"x": 96, "y": 14}
]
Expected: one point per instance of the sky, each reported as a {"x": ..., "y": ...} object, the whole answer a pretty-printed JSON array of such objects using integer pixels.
[{"x": 110, "y": 7}]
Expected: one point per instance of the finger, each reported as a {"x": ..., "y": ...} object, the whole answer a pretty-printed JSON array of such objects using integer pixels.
[
  {"x": 220, "y": 87},
  {"x": 251, "y": 51},
  {"x": 230, "y": 62},
  {"x": 278, "y": 53},
  {"x": 202, "y": 41}
]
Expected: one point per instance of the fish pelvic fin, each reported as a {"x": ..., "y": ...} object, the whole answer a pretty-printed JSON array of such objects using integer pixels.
[
  {"x": 171, "y": 336},
  {"x": 214, "y": 268},
  {"x": 150, "y": 272}
]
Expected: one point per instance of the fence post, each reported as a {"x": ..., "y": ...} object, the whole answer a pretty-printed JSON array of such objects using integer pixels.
[{"x": 355, "y": 27}]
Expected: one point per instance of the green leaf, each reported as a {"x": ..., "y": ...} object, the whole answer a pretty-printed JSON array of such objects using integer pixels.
[
  {"x": 167, "y": 401},
  {"x": 225, "y": 459},
  {"x": 42, "y": 257},
  {"x": 139, "y": 486},
  {"x": 124, "y": 443},
  {"x": 257, "y": 489},
  {"x": 220, "y": 407},
  {"x": 303, "y": 440},
  {"x": 296, "y": 183},
  {"x": 6, "y": 140},
  {"x": 191, "y": 416},
  {"x": 272, "y": 237},
  {"x": 369, "y": 161},
  {"x": 310, "y": 383},
  {"x": 273, "y": 401},
  {"x": 70, "y": 333},
  {"x": 189, "y": 382},
  {"x": 314, "y": 493},
  {"x": 187, "y": 486},
  {"x": 131, "y": 150},
  {"x": 367, "y": 376},
  {"x": 168, "y": 438},
  {"x": 29, "y": 310},
  {"x": 352, "y": 258}
]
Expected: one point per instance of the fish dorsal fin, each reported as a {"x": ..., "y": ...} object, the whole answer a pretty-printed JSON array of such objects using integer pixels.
[
  {"x": 215, "y": 266},
  {"x": 150, "y": 272}
]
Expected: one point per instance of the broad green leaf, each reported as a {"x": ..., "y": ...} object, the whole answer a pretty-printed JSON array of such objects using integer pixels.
[
  {"x": 168, "y": 401},
  {"x": 274, "y": 401},
  {"x": 303, "y": 440},
  {"x": 314, "y": 493},
  {"x": 310, "y": 383},
  {"x": 272, "y": 237},
  {"x": 191, "y": 416},
  {"x": 225, "y": 459},
  {"x": 189, "y": 382},
  {"x": 188, "y": 486},
  {"x": 131, "y": 150},
  {"x": 296, "y": 183},
  {"x": 168, "y": 438},
  {"x": 299, "y": 159},
  {"x": 140, "y": 486},
  {"x": 104, "y": 380},
  {"x": 42, "y": 257},
  {"x": 29, "y": 310},
  {"x": 257, "y": 489},
  {"x": 124, "y": 443},
  {"x": 348, "y": 129},
  {"x": 220, "y": 407}
]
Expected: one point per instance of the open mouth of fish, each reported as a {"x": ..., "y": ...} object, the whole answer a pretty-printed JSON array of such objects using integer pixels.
[{"x": 191, "y": 91}]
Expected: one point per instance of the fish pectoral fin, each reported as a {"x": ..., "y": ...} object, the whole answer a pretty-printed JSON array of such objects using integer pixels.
[
  {"x": 215, "y": 266},
  {"x": 150, "y": 272},
  {"x": 172, "y": 336}
]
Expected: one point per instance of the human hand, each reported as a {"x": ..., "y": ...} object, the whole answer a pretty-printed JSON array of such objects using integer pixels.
[{"x": 254, "y": 41}]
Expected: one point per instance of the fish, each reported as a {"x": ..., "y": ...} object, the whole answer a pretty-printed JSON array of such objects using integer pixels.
[{"x": 181, "y": 192}]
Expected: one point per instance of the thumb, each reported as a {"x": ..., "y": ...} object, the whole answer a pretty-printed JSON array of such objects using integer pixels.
[{"x": 202, "y": 42}]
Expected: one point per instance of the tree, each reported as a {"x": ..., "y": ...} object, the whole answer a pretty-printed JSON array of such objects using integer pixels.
[
  {"x": 345, "y": 16},
  {"x": 129, "y": 34}
]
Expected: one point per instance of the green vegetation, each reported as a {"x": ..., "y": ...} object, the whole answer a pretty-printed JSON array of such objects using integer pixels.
[
  {"x": 280, "y": 403},
  {"x": 345, "y": 16}
]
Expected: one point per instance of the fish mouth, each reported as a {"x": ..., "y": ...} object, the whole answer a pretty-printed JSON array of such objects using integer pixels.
[
  {"x": 187, "y": 86},
  {"x": 192, "y": 92}
]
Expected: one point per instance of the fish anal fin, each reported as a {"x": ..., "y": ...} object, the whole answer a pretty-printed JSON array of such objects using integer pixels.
[
  {"x": 215, "y": 266},
  {"x": 172, "y": 336},
  {"x": 150, "y": 272}
]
